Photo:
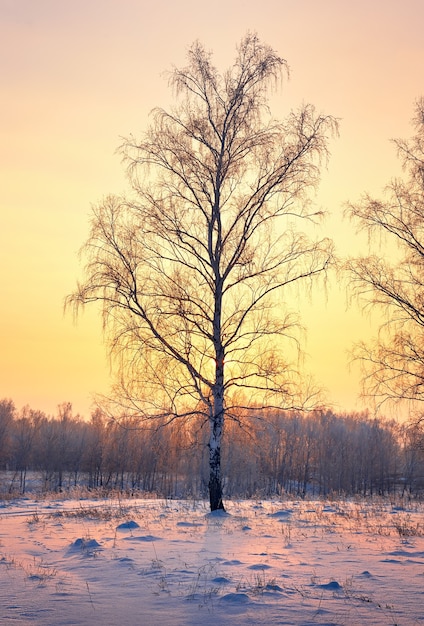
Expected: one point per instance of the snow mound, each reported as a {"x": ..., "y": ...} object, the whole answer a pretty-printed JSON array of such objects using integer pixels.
[
  {"x": 282, "y": 513},
  {"x": 331, "y": 586},
  {"x": 221, "y": 580},
  {"x": 274, "y": 587},
  {"x": 85, "y": 545},
  {"x": 147, "y": 538},
  {"x": 220, "y": 514},
  {"x": 130, "y": 525},
  {"x": 236, "y": 598}
]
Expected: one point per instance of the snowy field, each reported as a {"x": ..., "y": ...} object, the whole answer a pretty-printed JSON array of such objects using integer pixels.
[{"x": 155, "y": 562}]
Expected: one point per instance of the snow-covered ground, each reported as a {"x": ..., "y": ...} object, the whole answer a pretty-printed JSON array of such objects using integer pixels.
[{"x": 155, "y": 562}]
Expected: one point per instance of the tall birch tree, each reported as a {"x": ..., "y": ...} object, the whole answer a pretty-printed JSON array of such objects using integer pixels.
[{"x": 190, "y": 267}]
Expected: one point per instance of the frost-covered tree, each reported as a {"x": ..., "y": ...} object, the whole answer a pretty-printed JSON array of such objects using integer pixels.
[
  {"x": 190, "y": 266},
  {"x": 395, "y": 360},
  {"x": 7, "y": 413}
]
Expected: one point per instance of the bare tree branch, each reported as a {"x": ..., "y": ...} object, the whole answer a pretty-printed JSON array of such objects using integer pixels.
[
  {"x": 394, "y": 363},
  {"x": 189, "y": 269}
]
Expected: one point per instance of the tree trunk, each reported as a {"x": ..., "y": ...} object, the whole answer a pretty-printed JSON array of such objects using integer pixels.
[
  {"x": 216, "y": 429},
  {"x": 215, "y": 480}
]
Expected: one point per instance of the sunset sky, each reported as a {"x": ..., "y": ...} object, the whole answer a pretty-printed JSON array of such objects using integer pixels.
[{"x": 77, "y": 76}]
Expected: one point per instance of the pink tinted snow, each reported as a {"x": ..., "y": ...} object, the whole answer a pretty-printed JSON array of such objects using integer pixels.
[{"x": 154, "y": 562}]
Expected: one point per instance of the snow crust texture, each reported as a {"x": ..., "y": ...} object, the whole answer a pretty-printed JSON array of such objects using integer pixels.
[{"x": 153, "y": 562}]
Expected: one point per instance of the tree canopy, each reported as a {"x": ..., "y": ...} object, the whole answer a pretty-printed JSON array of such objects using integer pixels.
[
  {"x": 190, "y": 266},
  {"x": 395, "y": 360}
]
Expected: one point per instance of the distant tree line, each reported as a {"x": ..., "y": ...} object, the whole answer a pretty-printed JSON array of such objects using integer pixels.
[{"x": 317, "y": 453}]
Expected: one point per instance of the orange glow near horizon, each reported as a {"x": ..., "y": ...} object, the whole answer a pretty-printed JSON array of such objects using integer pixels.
[{"x": 76, "y": 77}]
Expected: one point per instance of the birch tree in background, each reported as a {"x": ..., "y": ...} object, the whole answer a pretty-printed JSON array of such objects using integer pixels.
[
  {"x": 394, "y": 362},
  {"x": 190, "y": 267}
]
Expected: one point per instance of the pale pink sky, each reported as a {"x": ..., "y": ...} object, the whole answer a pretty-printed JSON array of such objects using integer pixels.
[{"x": 78, "y": 76}]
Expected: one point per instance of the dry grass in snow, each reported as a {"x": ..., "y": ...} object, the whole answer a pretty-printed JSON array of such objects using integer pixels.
[{"x": 154, "y": 562}]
